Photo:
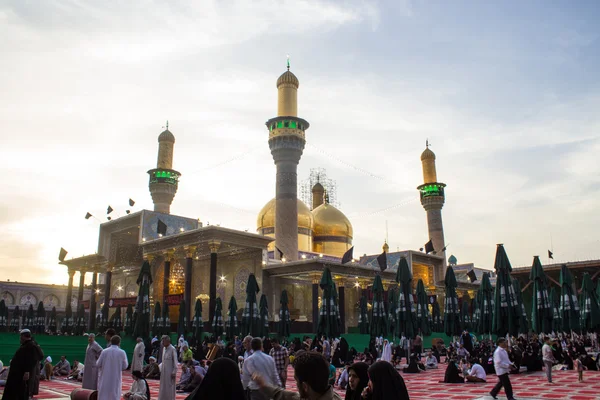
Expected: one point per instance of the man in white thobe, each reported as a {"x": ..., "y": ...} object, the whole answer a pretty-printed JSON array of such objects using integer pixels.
[
  {"x": 386, "y": 354},
  {"x": 137, "y": 363},
  {"x": 90, "y": 371},
  {"x": 111, "y": 364},
  {"x": 168, "y": 371}
]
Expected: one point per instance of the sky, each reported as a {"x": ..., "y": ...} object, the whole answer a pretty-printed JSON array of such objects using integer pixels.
[{"x": 506, "y": 92}]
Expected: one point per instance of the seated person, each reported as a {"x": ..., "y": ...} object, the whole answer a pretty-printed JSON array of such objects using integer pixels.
[
  {"x": 332, "y": 374},
  {"x": 431, "y": 362},
  {"x": 452, "y": 374},
  {"x": 462, "y": 353},
  {"x": 186, "y": 376},
  {"x": 194, "y": 382},
  {"x": 152, "y": 370},
  {"x": 75, "y": 370},
  {"x": 414, "y": 367},
  {"x": 186, "y": 354},
  {"x": 62, "y": 368},
  {"x": 139, "y": 388},
  {"x": 342, "y": 381},
  {"x": 476, "y": 373},
  {"x": 3, "y": 374},
  {"x": 47, "y": 370}
]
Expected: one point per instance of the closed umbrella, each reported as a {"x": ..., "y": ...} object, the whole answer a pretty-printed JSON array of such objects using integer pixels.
[
  {"x": 423, "y": 316},
  {"x": 436, "y": 317},
  {"x": 486, "y": 305},
  {"x": 523, "y": 321},
  {"x": 507, "y": 310},
  {"x": 198, "y": 323},
  {"x": 590, "y": 311},
  {"x": 363, "y": 316},
  {"x": 263, "y": 309},
  {"x": 556, "y": 320},
  {"x": 465, "y": 312},
  {"x": 128, "y": 326},
  {"x": 103, "y": 321},
  {"x": 217, "y": 322},
  {"x": 81, "y": 323},
  {"x": 378, "y": 314},
  {"x": 52, "y": 321},
  {"x": 285, "y": 321},
  {"x": 40, "y": 318},
  {"x": 182, "y": 323},
  {"x": 541, "y": 307},
  {"x": 142, "y": 302},
  {"x": 232, "y": 322},
  {"x": 166, "y": 320},
  {"x": 14, "y": 321},
  {"x": 30, "y": 319},
  {"x": 117, "y": 320},
  {"x": 157, "y": 323},
  {"x": 391, "y": 311},
  {"x": 569, "y": 306},
  {"x": 328, "y": 316},
  {"x": 67, "y": 325},
  {"x": 3, "y": 316},
  {"x": 476, "y": 313},
  {"x": 451, "y": 311},
  {"x": 250, "y": 316},
  {"x": 406, "y": 311}
]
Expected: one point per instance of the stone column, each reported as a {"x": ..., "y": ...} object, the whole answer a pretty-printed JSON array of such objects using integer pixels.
[
  {"x": 93, "y": 300},
  {"x": 315, "y": 303},
  {"x": 187, "y": 293},
  {"x": 70, "y": 286},
  {"x": 212, "y": 292},
  {"x": 166, "y": 276},
  {"x": 342, "y": 304},
  {"x": 81, "y": 284}
]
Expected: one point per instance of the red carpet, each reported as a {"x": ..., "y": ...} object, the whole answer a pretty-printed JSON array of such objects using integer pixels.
[{"x": 421, "y": 386}]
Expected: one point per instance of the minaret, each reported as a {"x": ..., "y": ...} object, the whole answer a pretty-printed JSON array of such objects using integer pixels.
[
  {"x": 164, "y": 179},
  {"x": 286, "y": 141},
  {"x": 318, "y": 193},
  {"x": 432, "y": 199}
]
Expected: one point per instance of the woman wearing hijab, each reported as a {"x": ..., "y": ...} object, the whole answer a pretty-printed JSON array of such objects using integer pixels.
[
  {"x": 385, "y": 383},
  {"x": 222, "y": 381},
  {"x": 358, "y": 379}
]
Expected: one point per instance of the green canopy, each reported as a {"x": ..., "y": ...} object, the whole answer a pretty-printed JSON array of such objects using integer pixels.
[
  {"x": 507, "y": 311},
  {"x": 465, "y": 312},
  {"x": 486, "y": 305},
  {"x": 590, "y": 311},
  {"x": 157, "y": 323},
  {"x": 250, "y": 316},
  {"x": 166, "y": 320},
  {"x": 128, "y": 326},
  {"x": 329, "y": 317},
  {"x": 436, "y": 317},
  {"x": 182, "y": 322},
  {"x": 405, "y": 313},
  {"x": 217, "y": 322},
  {"x": 80, "y": 321},
  {"x": 197, "y": 322},
  {"x": 451, "y": 311},
  {"x": 556, "y": 319},
  {"x": 378, "y": 314},
  {"x": 263, "y": 309},
  {"x": 541, "y": 308},
  {"x": 569, "y": 306},
  {"x": 423, "y": 318},
  {"x": 52, "y": 321},
  {"x": 231, "y": 324},
  {"x": 363, "y": 316},
  {"x": 391, "y": 311},
  {"x": 40, "y": 318},
  {"x": 30, "y": 319},
  {"x": 142, "y": 303},
  {"x": 14, "y": 321},
  {"x": 523, "y": 320},
  {"x": 285, "y": 322}
]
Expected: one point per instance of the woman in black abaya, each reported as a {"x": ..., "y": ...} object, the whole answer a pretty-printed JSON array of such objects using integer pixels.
[
  {"x": 222, "y": 381},
  {"x": 385, "y": 383},
  {"x": 358, "y": 378}
]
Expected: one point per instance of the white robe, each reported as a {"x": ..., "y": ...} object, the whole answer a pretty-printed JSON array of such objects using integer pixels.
[
  {"x": 168, "y": 374},
  {"x": 90, "y": 371},
  {"x": 111, "y": 364},
  {"x": 137, "y": 362},
  {"x": 387, "y": 353}
]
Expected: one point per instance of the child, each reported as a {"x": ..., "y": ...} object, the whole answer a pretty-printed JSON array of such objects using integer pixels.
[{"x": 579, "y": 367}]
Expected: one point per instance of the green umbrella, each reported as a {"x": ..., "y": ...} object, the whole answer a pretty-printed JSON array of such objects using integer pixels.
[
  {"x": 182, "y": 323},
  {"x": 523, "y": 321},
  {"x": 285, "y": 321},
  {"x": 391, "y": 314},
  {"x": 451, "y": 311},
  {"x": 129, "y": 320},
  {"x": 328, "y": 317},
  {"x": 486, "y": 305},
  {"x": 157, "y": 323},
  {"x": 598, "y": 289},
  {"x": 166, "y": 320},
  {"x": 590, "y": 311},
  {"x": 142, "y": 303},
  {"x": 465, "y": 314},
  {"x": 116, "y": 320},
  {"x": 81, "y": 320},
  {"x": 264, "y": 316},
  {"x": 52, "y": 321},
  {"x": 250, "y": 316},
  {"x": 363, "y": 316},
  {"x": 569, "y": 306},
  {"x": 217, "y": 322},
  {"x": 103, "y": 321},
  {"x": 14, "y": 321},
  {"x": 507, "y": 310},
  {"x": 541, "y": 308},
  {"x": 405, "y": 313},
  {"x": 40, "y": 318},
  {"x": 476, "y": 313},
  {"x": 30, "y": 319},
  {"x": 3, "y": 318},
  {"x": 197, "y": 323},
  {"x": 378, "y": 314},
  {"x": 423, "y": 317},
  {"x": 556, "y": 319},
  {"x": 232, "y": 322},
  {"x": 436, "y": 317}
]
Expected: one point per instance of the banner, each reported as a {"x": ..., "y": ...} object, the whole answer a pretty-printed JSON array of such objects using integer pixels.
[
  {"x": 174, "y": 299},
  {"x": 122, "y": 301},
  {"x": 86, "y": 304}
]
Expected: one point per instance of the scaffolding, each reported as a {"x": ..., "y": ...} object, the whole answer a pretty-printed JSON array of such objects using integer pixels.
[{"x": 318, "y": 175}]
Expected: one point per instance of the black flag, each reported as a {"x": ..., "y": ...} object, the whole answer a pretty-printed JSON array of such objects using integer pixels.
[
  {"x": 382, "y": 261},
  {"x": 348, "y": 256},
  {"x": 472, "y": 276},
  {"x": 131, "y": 202},
  {"x": 88, "y": 215},
  {"x": 550, "y": 254},
  {"x": 280, "y": 252},
  {"x": 127, "y": 211},
  {"x": 161, "y": 228},
  {"x": 62, "y": 255},
  {"x": 429, "y": 247},
  {"x": 109, "y": 210}
]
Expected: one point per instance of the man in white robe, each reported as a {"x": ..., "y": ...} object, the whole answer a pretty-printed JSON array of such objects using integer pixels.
[
  {"x": 168, "y": 371},
  {"x": 137, "y": 363},
  {"x": 111, "y": 364},
  {"x": 90, "y": 371},
  {"x": 386, "y": 354}
]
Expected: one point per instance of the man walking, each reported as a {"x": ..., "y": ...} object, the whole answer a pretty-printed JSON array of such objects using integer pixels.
[
  {"x": 137, "y": 363},
  {"x": 19, "y": 372},
  {"x": 548, "y": 358},
  {"x": 261, "y": 364},
  {"x": 90, "y": 371},
  {"x": 168, "y": 371},
  {"x": 503, "y": 365},
  {"x": 281, "y": 358},
  {"x": 111, "y": 363}
]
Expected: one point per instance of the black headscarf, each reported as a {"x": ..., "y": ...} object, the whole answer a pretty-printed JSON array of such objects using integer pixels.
[
  {"x": 140, "y": 377},
  {"x": 387, "y": 382},
  {"x": 222, "y": 381},
  {"x": 361, "y": 370}
]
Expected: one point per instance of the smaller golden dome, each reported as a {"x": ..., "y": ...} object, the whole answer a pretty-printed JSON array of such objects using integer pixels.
[
  {"x": 427, "y": 155},
  {"x": 166, "y": 136},
  {"x": 289, "y": 78},
  {"x": 329, "y": 221}
]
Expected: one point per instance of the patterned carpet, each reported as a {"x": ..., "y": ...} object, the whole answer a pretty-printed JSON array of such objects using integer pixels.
[{"x": 422, "y": 386}]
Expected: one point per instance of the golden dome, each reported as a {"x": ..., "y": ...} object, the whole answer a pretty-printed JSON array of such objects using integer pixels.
[
  {"x": 329, "y": 221},
  {"x": 288, "y": 77},
  {"x": 266, "y": 216},
  {"x": 166, "y": 136},
  {"x": 427, "y": 155}
]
